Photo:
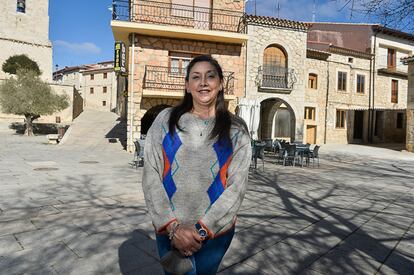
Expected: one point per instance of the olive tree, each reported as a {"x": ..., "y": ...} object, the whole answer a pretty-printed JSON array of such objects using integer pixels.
[
  {"x": 20, "y": 62},
  {"x": 26, "y": 94}
]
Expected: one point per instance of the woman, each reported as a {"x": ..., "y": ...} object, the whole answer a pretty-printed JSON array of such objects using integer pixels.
[{"x": 197, "y": 157}]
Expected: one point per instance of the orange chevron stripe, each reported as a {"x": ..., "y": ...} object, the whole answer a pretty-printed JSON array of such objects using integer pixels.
[
  {"x": 223, "y": 172},
  {"x": 167, "y": 164}
]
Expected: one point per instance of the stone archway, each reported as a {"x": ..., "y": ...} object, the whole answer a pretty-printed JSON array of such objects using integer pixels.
[
  {"x": 150, "y": 116},
  {"x": 277, "y": 120}
]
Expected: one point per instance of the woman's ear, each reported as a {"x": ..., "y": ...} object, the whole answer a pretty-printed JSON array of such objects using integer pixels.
[{"x": 186, "y": 87}]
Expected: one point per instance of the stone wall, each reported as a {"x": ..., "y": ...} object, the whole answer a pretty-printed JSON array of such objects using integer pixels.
[
  {"x": 154, "y": 51},
  {"x": 410, "y": 109}
]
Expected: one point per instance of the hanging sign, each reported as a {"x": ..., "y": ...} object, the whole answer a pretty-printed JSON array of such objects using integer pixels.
[{"x": 120, "y": 57}]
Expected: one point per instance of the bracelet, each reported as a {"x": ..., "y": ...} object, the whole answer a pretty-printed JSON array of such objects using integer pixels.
[{"x": 174, "y": 228}]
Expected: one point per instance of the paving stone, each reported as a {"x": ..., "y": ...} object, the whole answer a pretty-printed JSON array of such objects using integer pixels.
[
  {"x": 341, "y": 262},
  {"x": 15, "y": 226},
  {"x": 241, "y": 269},
  {"x": 398, "y": 263},
  {"x": 9, "y": 244},
  {"x": 282, "y": 258},
  {"x": 27, "y": 213},
  {"x": 49, "y": 236}
]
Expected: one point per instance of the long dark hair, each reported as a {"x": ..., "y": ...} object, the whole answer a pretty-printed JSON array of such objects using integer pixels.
[{"x": 224, "y": 118}]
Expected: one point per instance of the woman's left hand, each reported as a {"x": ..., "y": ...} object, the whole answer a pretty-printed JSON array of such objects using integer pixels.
[{"x": 187, "y": 240}]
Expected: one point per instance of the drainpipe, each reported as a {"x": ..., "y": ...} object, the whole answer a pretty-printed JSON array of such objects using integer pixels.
[
  {"x": 369, "y": 99},
  {"x": 373, "y": 89},
  {"x": 131, "y": 108},
  {"x": 326, "y": 103}
]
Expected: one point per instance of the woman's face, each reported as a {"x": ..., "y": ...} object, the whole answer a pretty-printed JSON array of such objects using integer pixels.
[{"x": 204, "y": 84}]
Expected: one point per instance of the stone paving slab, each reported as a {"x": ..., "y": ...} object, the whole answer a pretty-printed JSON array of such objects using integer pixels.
[{"x": 352, "y": 215}]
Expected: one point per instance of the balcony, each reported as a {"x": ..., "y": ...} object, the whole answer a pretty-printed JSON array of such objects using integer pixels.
[
  {"x": 275, "y": 79},
  {"x": 170, "y": 82},
  {"x": 178, "y": 21}
]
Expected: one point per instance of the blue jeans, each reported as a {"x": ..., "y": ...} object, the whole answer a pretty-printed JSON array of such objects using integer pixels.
[{"x": 207, "y": 260}]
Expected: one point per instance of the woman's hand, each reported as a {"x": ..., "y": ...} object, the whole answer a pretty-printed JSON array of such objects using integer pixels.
[{"x": 187, "y": 240}]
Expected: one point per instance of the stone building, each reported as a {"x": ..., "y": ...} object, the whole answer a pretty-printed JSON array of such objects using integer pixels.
[
  {"x": 161, "y": 37},
  {"x": 327, "y": 82},
  {"x": 409, "y": 60},
  {"x": 95, "y": 83},
  {"x": 24, "y": 29}
]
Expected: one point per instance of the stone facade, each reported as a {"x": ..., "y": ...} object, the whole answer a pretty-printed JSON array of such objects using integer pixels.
[
  {"x": 410, "y": 105},
  {"x": 26, "y": 33},
  {"x": 293, "y": 42},
  {"x": 156, "y": 51}
]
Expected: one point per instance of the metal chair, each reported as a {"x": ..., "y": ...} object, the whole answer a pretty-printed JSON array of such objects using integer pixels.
[
  {"x": 314, "y": 154},
  {"x": 257, "y": 153},
  {"x": 138, "y": 160},
  {"x": 291, "y": 155}
]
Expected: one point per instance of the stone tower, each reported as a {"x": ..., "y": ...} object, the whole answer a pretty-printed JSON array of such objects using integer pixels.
[{"x": 24, "y": 29}]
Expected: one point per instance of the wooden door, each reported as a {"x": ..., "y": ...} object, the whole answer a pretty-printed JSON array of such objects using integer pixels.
[{"x": 311, "y": 134}]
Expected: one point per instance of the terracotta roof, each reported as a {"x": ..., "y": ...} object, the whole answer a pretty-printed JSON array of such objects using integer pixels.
[
  {"x": 393, "y": 32},
  {"x": 273, "y": 21},
  {"x": 317, "y": 54},
  {"x": 407, "y": 59},
  {"x": 340, "y": 50}
]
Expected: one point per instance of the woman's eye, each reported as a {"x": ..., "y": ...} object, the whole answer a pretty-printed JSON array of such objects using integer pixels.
[
  {"x": 212, "y": 76},
  {"x": 195, "y": 77}
]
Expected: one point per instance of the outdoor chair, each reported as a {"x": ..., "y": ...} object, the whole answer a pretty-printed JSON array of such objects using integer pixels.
[
  {"x": 314, "y": 154},
  {"x": 291, "y": 155},
  {"x": 268, "y": 144},
  {"x": 257, "y": 153},
  {"x": 138, "y": 160}
]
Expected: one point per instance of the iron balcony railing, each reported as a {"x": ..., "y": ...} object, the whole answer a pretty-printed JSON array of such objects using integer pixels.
[
  {"x": 276, "y": 77},
  {"x": 173, "y": 79},
  {"x": 167, "y": 13}
]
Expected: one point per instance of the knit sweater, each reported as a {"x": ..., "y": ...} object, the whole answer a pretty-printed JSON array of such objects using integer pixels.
[{"x": 190, "y": 178}]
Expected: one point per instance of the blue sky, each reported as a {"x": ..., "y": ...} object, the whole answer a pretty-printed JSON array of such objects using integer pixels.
[{"x": 81, "y": 34}]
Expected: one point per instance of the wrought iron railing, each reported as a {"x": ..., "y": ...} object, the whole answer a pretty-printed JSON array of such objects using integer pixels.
[
  {"x": 166, "y": 13},
  {"x": 172, "y": 79},
  {"x": 276, "y": 77}
]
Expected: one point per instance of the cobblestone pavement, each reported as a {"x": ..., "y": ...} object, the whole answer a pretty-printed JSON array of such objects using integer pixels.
[{"x": 78, "y": 210}]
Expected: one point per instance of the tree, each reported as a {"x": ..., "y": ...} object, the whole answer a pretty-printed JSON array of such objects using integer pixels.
[
  {"x": 17, "y": 62},
  {"x": 397, "y": 14},
  {"x": 26, "y": 94}
]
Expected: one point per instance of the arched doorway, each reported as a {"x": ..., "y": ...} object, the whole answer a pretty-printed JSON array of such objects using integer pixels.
[
  {"x": 277, "y": 120},
  {"x": 150, "y": 116}
]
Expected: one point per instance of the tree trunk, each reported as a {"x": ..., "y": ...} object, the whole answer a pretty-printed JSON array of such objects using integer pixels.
[{"x": 29, "y": 124}]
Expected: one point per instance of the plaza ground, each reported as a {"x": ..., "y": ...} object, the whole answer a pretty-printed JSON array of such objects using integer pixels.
[{"x": 78, "y": 208}]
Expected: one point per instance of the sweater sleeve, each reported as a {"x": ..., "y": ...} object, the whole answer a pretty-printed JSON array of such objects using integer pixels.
[
  {"x": 224, "y": 209},
  {"x": 156, "y": 198}
]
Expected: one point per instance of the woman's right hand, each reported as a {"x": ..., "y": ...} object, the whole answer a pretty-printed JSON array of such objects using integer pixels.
[{"x": 187, "y": 240}]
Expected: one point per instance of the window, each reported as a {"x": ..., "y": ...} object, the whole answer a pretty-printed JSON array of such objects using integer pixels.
[
  {"x": 400, "y": 118},
  {"x": 105, "y": 89},
  {"x": 313, "y": 81},
  {"x": 91, "y": 90},
  {"x": 340, "y": 119},
  {"x": 104, "y": 103},
  {"x": 92, "y": 76},
  {"x": 274, "y": 67},
  {"x": 310, "y": 113},
  {"x": 179, "y": 62},
  {"x": 360, "y": 84},
  {"x": 391, "y": 59},
  {"x": 342, "y": 81},
  {"x": 394, "y": 91},
  {"x": 105, "y": 75},
  {"x": 21, "y": 6},
  {"x": 350, "y": 60}
]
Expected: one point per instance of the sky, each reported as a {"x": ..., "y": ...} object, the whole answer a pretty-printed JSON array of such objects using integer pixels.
[{"x": 81, "y": 34}]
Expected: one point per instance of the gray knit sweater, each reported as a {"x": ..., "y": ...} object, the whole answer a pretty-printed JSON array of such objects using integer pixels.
[{"x": 190, "y": 178}]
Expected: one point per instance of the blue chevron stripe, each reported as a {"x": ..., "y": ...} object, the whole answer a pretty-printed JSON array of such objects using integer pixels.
[{"x": 170, "y": 146}]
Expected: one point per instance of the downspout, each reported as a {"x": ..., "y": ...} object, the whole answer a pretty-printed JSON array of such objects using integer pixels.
[
  {"x": 369, "y": 99},
  {"x": 326, "y": 103},
  {"x": 245, "y": 66},
  {"x": 373, "y": 89},
  {"x": 131, "y": 108}
]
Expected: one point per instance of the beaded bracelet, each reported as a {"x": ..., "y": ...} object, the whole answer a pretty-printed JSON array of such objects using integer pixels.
[{"x": 174, "y": 228}]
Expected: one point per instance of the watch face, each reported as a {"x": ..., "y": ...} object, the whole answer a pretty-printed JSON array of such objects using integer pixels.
[{"x": 202, "y": 232}]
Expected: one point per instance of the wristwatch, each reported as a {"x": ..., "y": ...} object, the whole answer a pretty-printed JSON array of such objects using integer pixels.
[{"x": 201, "y": 230}]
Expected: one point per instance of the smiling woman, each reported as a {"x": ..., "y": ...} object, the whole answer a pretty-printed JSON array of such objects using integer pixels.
[{"x": 197, "y": 157}]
